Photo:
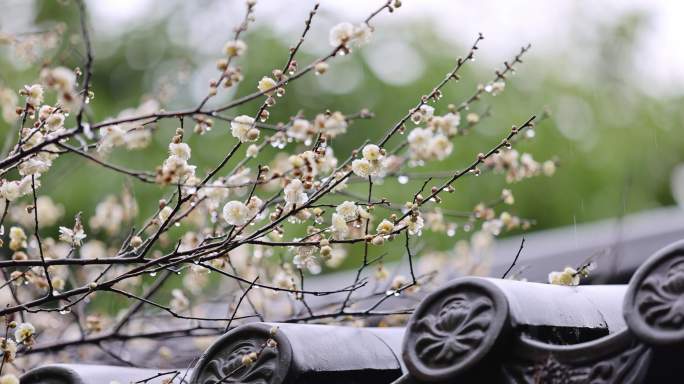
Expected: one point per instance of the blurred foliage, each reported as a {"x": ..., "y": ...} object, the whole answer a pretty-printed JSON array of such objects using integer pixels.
[{"x": 615, "y": 143}]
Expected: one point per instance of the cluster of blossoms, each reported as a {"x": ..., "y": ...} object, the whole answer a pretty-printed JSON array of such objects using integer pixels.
[
  {"x": 113, "y": 212},
  {"x": 345, "y": 221},
  {"x": 571, "y": 276},
  {"x": 131, "y": 135},
  {"x": 434, "y": 141},
  {"x": 24, "y": 336},
  {"x": 31, "y": 48},
  {"x": 518, "y": 167},
  {"x": 63, "y": 81},
  {"x": 238, "y": 213},
  {"x": 8, "y": 103},
  {"x": 49, "y": 213},
  {"x": 493, "y": 223},
  {"x": 330, "y": 124},
  {"x": 372, "y": 164},
  {"x": 293, "y": 214},
  {"x": 12, "y": 190},
  {"x": 48, "y": 126},
  {"x": 344, "y": 34},
  {"x": 24, "y": 248},
  {"x": 175, "y": 168}
]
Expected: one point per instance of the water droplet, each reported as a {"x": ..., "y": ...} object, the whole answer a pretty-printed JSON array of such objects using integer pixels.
[{"x": 153, "y": 274}]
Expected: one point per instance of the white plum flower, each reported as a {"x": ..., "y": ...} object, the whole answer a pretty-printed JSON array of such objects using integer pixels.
[
  {"x": 496, "y": 87},
  {"x": 493, "y": 226},
  {"x": 241, "y": 128},
  {"x": 236, "y": 213},
  {"x": 182, "y": 150},
  {"x": 72, "y": 236},
  {"x": 440, "y": 146},
  {"x": 385, "y": 227},
  {"x": 9, "y": 347},
  {"x": 235, "y": 48},
  {"x": 339, "y": 226},
  {"x": 165, "y": 213},
  {"x": 341, "y": 34},
  {"x": 10, "y": 190},
  {"x": 568, "y": 276},
  {"x": 414, "y": 224},
  {"x": 361, "y": 168},
  {"x": 252, "y": 150},
  {"x": 344, "y": 33},
  {"x": 507, "y": 197},
  {"x": 34, "y": 94},
  {"x": 299, "y": 130},
  {"x": 372, "y": 152},
  {"x": 333, "y": 124},
  {"x": 179, "y": 301},
  {"x": 424, "y": 144},
  {"x": 321, "y": 68},
  {"x": 549, "y": 167},
  {"x": 472, "y": 118},
  {"x": 427, "y": 111},
  {"x": 9, "y": 379},
  {"x": 111, "y": 136},
  {"x": 54, "y": 121},
  {"x": 294, "y": 193},
  {"x": 419, "y": 138},
  {"x": 60, "y": 78},
  {"x": 267, "y": 85},
  {"x": 17, "y": 238},
  {"x": 305, "y": 258},
  {"x": 348, "y": 210},
  {"x": 24, "y": 332},
  {"x": 362, "y": 34}
]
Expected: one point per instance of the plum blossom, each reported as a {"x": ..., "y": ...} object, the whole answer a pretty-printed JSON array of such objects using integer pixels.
[
  {"x": 236, "y": 213},
  {"x": 267, "y": 85},
  {"x": 241, "y": 128},
  {"x": 294, "y": 193},
  {"x": 235, "y": 48},
  {"x": 348, "y": 210},
  {"x": 568, "y": 276},
  {"x": 24, "y": 333},
  {"x": 385, "y": 227},
  {"x": 73, "y": 236}
]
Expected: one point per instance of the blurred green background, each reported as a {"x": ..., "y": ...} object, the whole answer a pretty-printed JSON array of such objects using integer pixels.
[{"x": 616, "y": 141}]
